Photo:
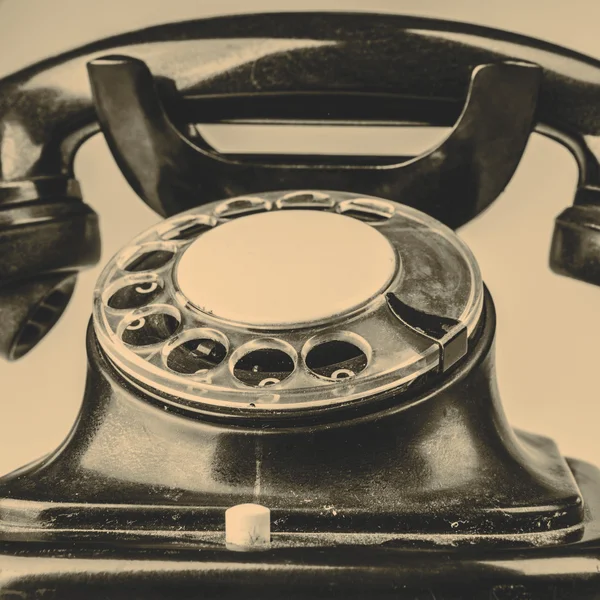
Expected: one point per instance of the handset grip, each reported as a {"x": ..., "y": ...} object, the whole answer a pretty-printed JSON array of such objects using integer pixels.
[{"x": 46, "y": 110}]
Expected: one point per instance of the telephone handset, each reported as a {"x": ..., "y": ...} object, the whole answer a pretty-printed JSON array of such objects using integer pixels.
[
  {"x": 316, "y": 364},
  {"x": 269, "y": 67}
]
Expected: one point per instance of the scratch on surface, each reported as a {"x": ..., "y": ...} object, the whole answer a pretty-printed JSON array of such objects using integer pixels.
[
  {"x": 258, "y": 454},
  {"x": 253, "y": 78}
]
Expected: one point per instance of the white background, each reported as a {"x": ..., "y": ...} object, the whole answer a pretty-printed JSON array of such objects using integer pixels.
[{"x": 548, "y": 325}]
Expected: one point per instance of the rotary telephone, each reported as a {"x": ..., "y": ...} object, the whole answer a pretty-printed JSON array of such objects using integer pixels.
[{"x": 291, "y": 386}]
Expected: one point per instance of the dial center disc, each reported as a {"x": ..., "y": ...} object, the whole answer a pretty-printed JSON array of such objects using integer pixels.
[{"x": 286, "y": 268}]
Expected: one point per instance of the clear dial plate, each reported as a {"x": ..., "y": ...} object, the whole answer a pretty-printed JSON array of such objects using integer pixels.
[{"x": 277, "y": 301}]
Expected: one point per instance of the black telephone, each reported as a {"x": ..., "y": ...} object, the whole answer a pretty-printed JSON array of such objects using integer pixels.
[{"x": 291, "y": 386}]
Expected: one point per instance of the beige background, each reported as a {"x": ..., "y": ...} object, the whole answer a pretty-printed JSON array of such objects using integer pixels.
[{"x": 548, "y": 325}]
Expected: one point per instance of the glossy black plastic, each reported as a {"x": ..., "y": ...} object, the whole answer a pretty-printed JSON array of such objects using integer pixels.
[
  {"x": 576, "y": 242},
  {"x": 453, "y": 181},
  {"x": 43, "y": 245},
  {"x": 432, "y": 487},
  {"x": 305, "y": 67},
  {"x": 488, "y": 481},
  {"x": 309, "y": 53}
]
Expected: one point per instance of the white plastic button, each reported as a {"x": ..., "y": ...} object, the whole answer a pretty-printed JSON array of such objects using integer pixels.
[{"x": 247, "y": 527}]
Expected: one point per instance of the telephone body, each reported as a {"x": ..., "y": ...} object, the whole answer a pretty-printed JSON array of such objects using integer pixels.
[{"x": 348, "y": 387}]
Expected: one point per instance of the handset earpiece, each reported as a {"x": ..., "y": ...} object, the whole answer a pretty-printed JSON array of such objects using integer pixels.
[
  {"x": 575, "y": 248},
  {"x": 47, "y": 235}
]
